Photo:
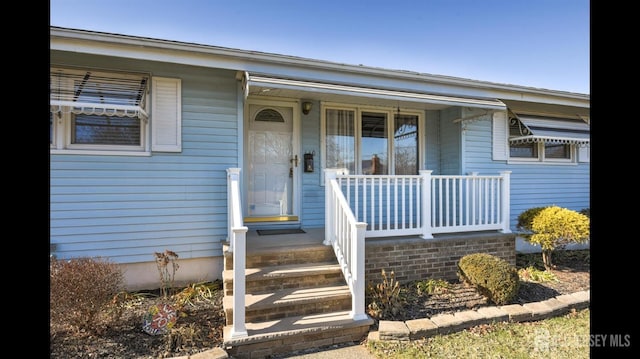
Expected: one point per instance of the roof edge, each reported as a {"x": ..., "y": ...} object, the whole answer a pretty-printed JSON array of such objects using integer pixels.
[{"x": 105, "y": 37}]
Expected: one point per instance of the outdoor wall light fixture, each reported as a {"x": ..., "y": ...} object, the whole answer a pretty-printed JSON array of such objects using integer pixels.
[{"x": 306, "y": 107}]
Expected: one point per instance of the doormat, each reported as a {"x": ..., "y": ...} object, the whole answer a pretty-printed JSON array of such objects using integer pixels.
[{"x": 271, "y": 232}]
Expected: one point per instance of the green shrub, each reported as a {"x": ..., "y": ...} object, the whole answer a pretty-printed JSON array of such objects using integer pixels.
[
  {"x": 81, "y": 290},
  {"x": 493, "y": 277},
  {"x": 554, "y": 227}
]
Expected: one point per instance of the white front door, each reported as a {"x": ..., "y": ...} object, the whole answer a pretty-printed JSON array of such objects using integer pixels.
[{"x": 271, "y": 163}]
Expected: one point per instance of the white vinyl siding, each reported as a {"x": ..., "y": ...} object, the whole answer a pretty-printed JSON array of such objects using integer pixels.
[{"x": 166, "y": 114}]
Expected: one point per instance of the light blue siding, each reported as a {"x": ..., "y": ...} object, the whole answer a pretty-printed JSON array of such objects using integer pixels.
[
  {"x": 450, "y": 142},
  {"x": 312, "y": 214},
  {"x": 126, "y": 208},
  {"x": 432, "y": 141},
  {"x": 532, "y": 185}
]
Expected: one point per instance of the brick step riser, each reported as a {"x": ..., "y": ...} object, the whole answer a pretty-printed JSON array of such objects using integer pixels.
[
  {"x": 324, "y": 254},
  {"x": 288, "y": 310},
  {"x": 297, "y": 342},
  {"x": 272, "y": 284}
]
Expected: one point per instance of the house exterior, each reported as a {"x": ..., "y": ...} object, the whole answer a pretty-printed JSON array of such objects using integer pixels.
[{"x": 145, "y": 134}]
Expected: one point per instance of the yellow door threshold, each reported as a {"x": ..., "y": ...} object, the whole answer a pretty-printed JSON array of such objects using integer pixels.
[{"x": 270, "y": 219}]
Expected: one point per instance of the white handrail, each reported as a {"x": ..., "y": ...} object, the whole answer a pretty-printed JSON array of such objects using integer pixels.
[
  {"x": 346, "y": 236},
  {"x": 237, "y": 245}
]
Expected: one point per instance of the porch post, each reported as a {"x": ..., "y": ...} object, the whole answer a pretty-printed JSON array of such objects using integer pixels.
[
  {"x": 238, "y": 246},
  {"x": 329, "y": 215},
  {"x": 239, "y": 330},
  {"x": 233, "y": 176},
  {"x": 506, "y": 200},
  {"x": 357, "y": 263},
  {"x": 427, "y": 231}
]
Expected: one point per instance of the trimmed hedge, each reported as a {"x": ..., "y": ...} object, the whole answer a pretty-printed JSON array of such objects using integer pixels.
[{"x": 493, "y": 277}]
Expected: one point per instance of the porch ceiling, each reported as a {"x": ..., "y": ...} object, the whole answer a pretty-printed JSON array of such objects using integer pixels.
[{"x": 259, "y": 85}]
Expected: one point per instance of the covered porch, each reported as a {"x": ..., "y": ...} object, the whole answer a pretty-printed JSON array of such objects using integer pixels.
[{"x": 468, "y": 213}]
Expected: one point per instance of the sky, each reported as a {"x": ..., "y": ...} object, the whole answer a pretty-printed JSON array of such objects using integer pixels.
[{"x": 535, "y": 43}]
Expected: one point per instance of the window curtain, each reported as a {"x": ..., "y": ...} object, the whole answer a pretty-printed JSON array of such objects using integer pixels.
[
  {"x": 340, "y": 139},
  {"x": 405, "y": 144}
]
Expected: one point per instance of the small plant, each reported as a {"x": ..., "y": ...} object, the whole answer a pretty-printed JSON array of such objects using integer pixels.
[
  {"x": 433, "y": 286},
  {"x": 492, "y": 276},
  {"x": 81, "y": 290},
  {"x": 533, "y": 274},
  {"x": 179, "y": 337},
  {"x": 195, "y": 291},
  {"x": 385, "y": 301},
  {"x": 125, "y": 300},
  {"x": 167, "y": 267}
]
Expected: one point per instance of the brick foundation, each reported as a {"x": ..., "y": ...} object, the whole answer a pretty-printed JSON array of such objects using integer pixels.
[{"x": 415, "y": 258}]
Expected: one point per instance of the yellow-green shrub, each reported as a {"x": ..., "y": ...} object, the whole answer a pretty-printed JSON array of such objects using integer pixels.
[
  {"x": 525, "y": 220},
  {"x": 554, "y": 227},
  {"x": 493, "y": 277}
]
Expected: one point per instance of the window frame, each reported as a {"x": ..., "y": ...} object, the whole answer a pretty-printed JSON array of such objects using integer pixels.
[
  {"x": 358, "y": 110},
  {"x": 542, "y": 158}
]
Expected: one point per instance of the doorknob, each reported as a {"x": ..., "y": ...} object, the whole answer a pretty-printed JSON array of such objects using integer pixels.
[{"x": 294, "y": 160}]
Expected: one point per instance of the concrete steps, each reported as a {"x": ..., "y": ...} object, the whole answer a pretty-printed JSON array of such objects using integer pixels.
[
  {"x": 296, "y": 298},
  {"x": 296, "y": 333},
  {"x": 286, "y": 276},
  {"x": 290, "y": 302}
]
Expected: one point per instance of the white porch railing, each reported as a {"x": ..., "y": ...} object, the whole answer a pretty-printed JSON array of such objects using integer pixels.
[
  {"x": 346, "y": 236},
  {"x": 425, "y": 204},
  {"x": 359, "y": 206},
  {"x": 237, "y": 245}
]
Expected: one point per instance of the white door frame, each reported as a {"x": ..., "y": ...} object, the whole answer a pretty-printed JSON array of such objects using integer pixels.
[{"x": 295, "y": 148}]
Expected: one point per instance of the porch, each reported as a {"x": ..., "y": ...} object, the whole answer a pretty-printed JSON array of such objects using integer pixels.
[{"x": 287, "y": 291}]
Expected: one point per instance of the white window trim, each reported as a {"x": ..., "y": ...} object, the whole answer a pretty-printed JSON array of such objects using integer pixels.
[
  {"x": 541, "y": 159},
  {"x": 62, "y": 141},
  {"x": 358, "y": 110}
]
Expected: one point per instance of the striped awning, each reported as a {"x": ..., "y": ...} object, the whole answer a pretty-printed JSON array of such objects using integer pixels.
[
  {"x": 534, "y": 129},
  {"x": 97, "y": 93}
]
